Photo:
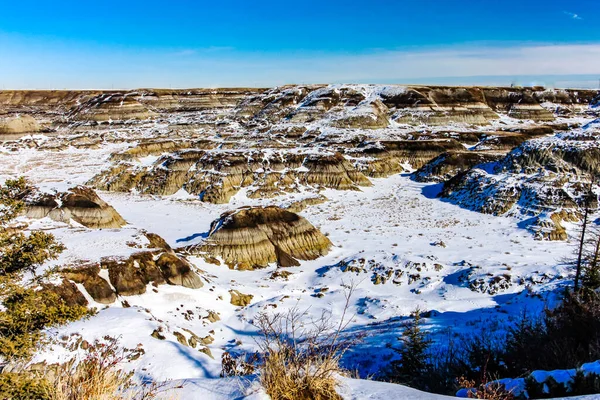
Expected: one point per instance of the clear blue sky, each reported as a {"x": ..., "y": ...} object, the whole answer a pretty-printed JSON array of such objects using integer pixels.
[{"x": 82, "y": 44}]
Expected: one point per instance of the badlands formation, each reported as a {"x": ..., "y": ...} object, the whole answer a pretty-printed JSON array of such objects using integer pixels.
[{"x": 185, "y": 213}]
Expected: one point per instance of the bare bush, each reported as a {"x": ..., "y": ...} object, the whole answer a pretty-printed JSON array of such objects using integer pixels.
[
  {"x": 97, "y": 376},
  {"x": 299, "y": 355},
  {"x": 488, "y": 390}
]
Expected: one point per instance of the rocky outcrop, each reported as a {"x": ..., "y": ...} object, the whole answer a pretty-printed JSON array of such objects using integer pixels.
[
  {"x": 254, "y": 237},
  {"x": 439, "y": 106},
  {"x": 240, "y": 299},
  {"x": 80, "y": 204},
  {"x": 447, "y": 165},
  {"x": 110, "y": 278},
  {"x": 113, "y": 107},
  {"x": 545, "y": 181},
  {"x": 19, "y": 125},
  {"x": 519, "y": 103},
  {"x": 215, "y": 176},
  {"x": 368, "y": 114},
  {"x": 386, "y": 157}
]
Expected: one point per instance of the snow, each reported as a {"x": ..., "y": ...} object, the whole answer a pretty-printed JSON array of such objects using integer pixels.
[
  {"x": 248, "y": 389},
  {"x": 394, "y": 227}
]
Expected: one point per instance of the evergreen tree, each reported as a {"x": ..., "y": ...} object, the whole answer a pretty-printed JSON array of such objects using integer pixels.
[
  {"x": 413, "y": 364},
  {"x": 25, "y": 311}
]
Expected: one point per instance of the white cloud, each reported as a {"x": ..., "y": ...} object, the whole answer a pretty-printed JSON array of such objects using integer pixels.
[
  {"x": 213, "y": 67},
  {"x": 572, "y": 15}
]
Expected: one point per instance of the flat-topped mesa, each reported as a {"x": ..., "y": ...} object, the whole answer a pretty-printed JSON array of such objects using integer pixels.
[
  {"x": 80, "y": 204},
  {"x": 544, "y": 181},
  {"x": 537, "y": 104},
  {"x": 254, "y": 237},
  {"x": 189, "y": 100},
  {"x": 439, "y": 106}
]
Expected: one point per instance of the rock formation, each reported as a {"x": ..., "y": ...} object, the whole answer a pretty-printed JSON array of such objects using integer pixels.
[
  {"x": 18, "y": 125},
  {"x": 217, "y": 175},
  {"x": 80, "y": 204},
  {"x": 544, "y": 180},
  {"x": 110, "y": 278},
  {"x": 254, "y": 237},
  {"x": 448, "y": 165}
]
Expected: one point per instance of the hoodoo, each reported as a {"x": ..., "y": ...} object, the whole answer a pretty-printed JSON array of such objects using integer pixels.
[
  {"x": 80, "y": 204},
  {"x": 253, "y": 237}
]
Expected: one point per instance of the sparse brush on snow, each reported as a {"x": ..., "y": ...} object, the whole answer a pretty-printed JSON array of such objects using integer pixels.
[
  {"x": 98, "y": 375},
  {"x": 485, "y": 390},
  {"x": 299, "y": 354}
]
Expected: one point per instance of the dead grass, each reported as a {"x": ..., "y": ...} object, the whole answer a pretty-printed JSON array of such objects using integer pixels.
[
  {"x": 301, "y": 355},
  {"x": 98, "y": 376}
]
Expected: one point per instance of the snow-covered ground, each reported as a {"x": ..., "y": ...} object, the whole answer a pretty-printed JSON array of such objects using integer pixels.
[{"x": 406, "y": 248}]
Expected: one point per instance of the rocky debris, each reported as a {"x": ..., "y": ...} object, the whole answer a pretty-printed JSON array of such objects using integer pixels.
[
  {"x": 448, "y": 165},
  {"x": 488, "y": 283},
  {"x": 110, "y": 278},
  {"x": 544, "y": 181},
  {"x": 240, "y": 299},
  {"x": 180, "y": 338},
  {"x": 254, "y": 237},
  {"x": 392, "y": 268},
  {"x": 280, "y": 274},
  {"x": 213, "y": 316},
  {"x": 80, "y": 204},
  {"x": 157, "y": 334},
  {"x": 299, "y": 205}
]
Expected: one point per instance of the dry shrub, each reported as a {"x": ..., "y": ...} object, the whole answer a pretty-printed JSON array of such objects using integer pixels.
[
  {"x": 301, "y": 355},
  {"x": 238, "y": 365},
  {"x": 486, "y": 390},
  {"x": 97, "y": 376}
]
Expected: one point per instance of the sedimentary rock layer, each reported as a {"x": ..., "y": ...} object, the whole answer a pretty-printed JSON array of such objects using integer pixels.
[
  {"x": 80, "y": 204},
  {"x": 253, "y": 237}
]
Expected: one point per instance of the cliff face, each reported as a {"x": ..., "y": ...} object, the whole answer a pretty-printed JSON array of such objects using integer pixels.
[{"x": 352, "y": 106}]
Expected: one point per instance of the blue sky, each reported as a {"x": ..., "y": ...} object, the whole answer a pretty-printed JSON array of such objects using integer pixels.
[{"x": 126, "y": 44}]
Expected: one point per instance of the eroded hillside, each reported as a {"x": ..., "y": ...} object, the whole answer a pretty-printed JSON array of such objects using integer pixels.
[{"x": 187, "y": 213}]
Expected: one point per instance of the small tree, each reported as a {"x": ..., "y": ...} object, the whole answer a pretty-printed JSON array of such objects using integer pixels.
[
  {"x": 25, "y": 311},
  {"x": 591, "y": 270},
  {"x": 413, "y": 363},
  {"x": 589, "y": 198}
]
